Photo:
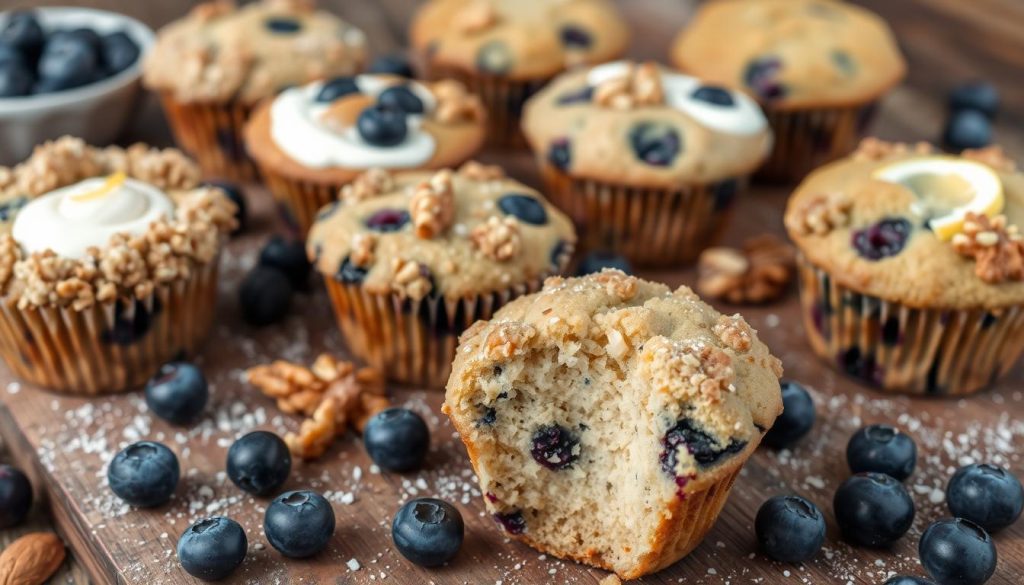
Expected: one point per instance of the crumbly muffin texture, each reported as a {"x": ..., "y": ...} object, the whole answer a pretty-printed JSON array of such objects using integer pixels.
[
  {"x": 792, "y": 53},
  {"x": 445, "y": 233},
  {"x": 222, "y": 52},
  {"x": 128, "y": 266},
  {"x": 640, "y": 124},
  {"x": 594, "y": 409},
  {"x": 518, "y": 39},
  {"x": 873, "y": 236}
]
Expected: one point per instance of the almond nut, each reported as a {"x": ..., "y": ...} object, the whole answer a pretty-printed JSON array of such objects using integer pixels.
[{"x": 31, "y": 559}]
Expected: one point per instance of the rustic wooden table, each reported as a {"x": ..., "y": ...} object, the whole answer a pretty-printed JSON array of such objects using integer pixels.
[{"x": 66, "y": 442}]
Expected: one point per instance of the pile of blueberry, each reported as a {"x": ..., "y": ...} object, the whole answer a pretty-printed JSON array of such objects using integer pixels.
[
  {"x": 972, "y": 108},
  {"x": 35, "y": 61},
  {"x": 266, "y": 292},
  {"x": 872, "y": 508}
]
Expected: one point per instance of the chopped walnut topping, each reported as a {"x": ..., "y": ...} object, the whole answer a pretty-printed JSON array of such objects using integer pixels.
[
  {"x": 362, "y": 249},
  {"x": 208, "y": 11},
  {"x": 333, "y": 393},
  {"x": 821, "y": 214},
  {"x": 498, "y": 238},
  {"x": 993, "y": 156},
  {"x": 56, "y": 164},
  {"x": 997, "y": 248},
  {"x": 167, "y": 169},
  {"x": 481, "y": 172},
  {"x": 874, "y": 149},
  {"x": 639, "y": 86},
  {"x": 734, "y": 332},
  {"x": 507, "y": 339},
  {"x": 367, "y": 185},
  {"x": 758, "y": 273},
  {"x": 409, "y": 279},
  {"x": 617, "y": 283},
  {"x": 475, "y": 17},
  {"x": 698, "y": 369},
  {"x": 432, "y": 207},
  {"x": 455, "y": 103}
]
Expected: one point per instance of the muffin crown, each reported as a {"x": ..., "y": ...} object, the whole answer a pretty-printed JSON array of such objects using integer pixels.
[
  {"x": 518, "y": 39},
  {"x": 792, "y": 53},
  {"x": 220, "y": 52},
  {"x": 451, "y": 234}
]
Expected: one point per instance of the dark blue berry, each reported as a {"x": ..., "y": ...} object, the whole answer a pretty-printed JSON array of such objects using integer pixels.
[
  {"x": 387, "y": 220},
  {"x": 987, "y": 495},
  {"x": 761, "y": 76},
  {"x": 428, "y": 531},
  {"x": 15, "y": 79},
  {"x": 579, "y": 96},
  {"x": 86, "y": 35},
  {"x": 560, "y": 254},
  {"x": 177, "y": 393},
  {"x": 575, "y": 37},
  {"x": 397, "y": 439},
  {"x": 555, "y": 447},
  {"x": 119, "y": 52},
  {"x": 882, "y": 449},
  {"x": 713, "y": 94},
  {"x": 392, "y": 64},
  {"x": 234, "y": 193},
  {"x": 725, "y": 193},
  {"x": 15, "y": 496},
  {"x": 705, "y": 449},
  {"x": 560, "y": 153},
  {"x": 68, "y": 61},
  {"x": 908, "y": 580},
  {"x": 488, "y": 417},
  {"x": 790, "y": 529},
  {"x": 212, "y": 548},
  {"x": 288, "y": 256},
  {"x": 350, "y": 273},
  {"x": 873, "y": 509},
  {"x": 883, "y": 239},
  {"x": 655, "y": 144},
  {"x": 967, "y": 129},
  {"x": 132, "y": 321},
  {"x": 957, "y": 552},
  {"x": 265, "y": 295},
  {"x": 796, "y": 419},
  {"x": 337, "y": 88},
  {"x": 9, "y": 54},
  {"x": 980, "y": 96},
  {"x": 299, "y": 524},
  {"x": 23, "y": 32},
  {"x": 283, "y": 25},
  {"x": 494, "y": 58},
  {"x": 512, "y": 522},
  {"x": 598, "y": 261},
  {"x": 382, "y": 126},
  {"x": 401, "y": 98},
  {"x": 144, "y": 474},
  {"x": 259, "y": 463},
  {"x": 525, "y": 208},
  {"x": 844, "y": 62}
]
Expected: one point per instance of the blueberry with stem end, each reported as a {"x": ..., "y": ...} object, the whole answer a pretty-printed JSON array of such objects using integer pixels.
[
  {"x": 882, "y": 449},
  {"x": 985, "y": 494},
  {"x": 299, "y": 524},
  {"x": 259, "y": 463},
  {"x": 212, "y": 548},
  {"x": 397, "y": 439},
  {"x": 144, "y": 474},
  {"x": 873, "y": 509},
  {"x": 790, "y": 529},
  {"x": 177, "y": 393},
  {"x": 428, "y": 531},
  {"x": 957, "y": 552}
]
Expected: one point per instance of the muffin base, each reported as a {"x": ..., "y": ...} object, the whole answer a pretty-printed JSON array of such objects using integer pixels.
[
  {"x": 111, "y": 346},
  {"x": 212, "y": 134},
  {"x": 300, "y": 200},
  {"x": 650, "y": 227},
  {"x": 901, "y": 349}
]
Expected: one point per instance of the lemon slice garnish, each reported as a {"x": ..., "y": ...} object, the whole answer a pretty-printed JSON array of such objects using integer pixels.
[
  {"x": 113, "y": 182},
  {"x": 951, "y": 186}
]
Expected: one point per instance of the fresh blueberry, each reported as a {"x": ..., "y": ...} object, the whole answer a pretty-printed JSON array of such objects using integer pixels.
[
  {"x": 299, "y": 524},
  {"x": 555, "y": 447},
  {"x": 761, "y": 76},
  {"x": 796, "y": 419},
  {"x": 655, "y": 144},
  {"x": 397, "y": 439},
  {"x": 15, "y": 79},
  {"x": 144, "y": 474},
  {"x": 575, "y": 36},
  {"x": 790, "y": 529},
  {"x": 387, "y": 220},
  {"x": 883, "y": 239},
  {"x": 560, "y": 254},
  {"x": 259, "y": 463},
  {"x": 15, "y": 496},
  {"x": 525, "y": 208},
  {"x": 598, "y": 261},
  {"x": 401, "y": 98},
  {"x": 715, "y": 95},
  {"x": 382, "y": 126},
  {"x": 873, "y": 509},
  {"x": 234, "y": 193},
  {"x": 211, "y": 549},
  {"x": 560, "y": 153},
  {"x": 494, "y": 58},
  {"x": 350, "y": 273},
  {"x": 337, "y": 88},
  {"x": 579, "y": 96},
  {"x": 985, "y": 494},
  {"x": 23, "y": 32},
  {"x": 428, "y": 531},
  {"x": 177, "y": 393},
  {"x": 967, "y": 129},
  {"x": 392, "y": 64},
  {"x": 288, "y": 256},
  {"x": 68, "y": 61},
  {"x": 957, "y": 552},
  {"x": 844, "y": 62},
  {"x": 9, "y": 54},
  {"x": 512, "y": 522},
  {"x": 980, "y": 96},
  {"x": 282, "y": 25},
  {"x": 908, "y": 580},
  {"x": 119, "y": 52},
  {"x": 882, "y": 449},
  {"x": 705, "y": 449},
  {"x": 86, "y": 35},
  {"x": 265, "y": 295},
  {"x": 133, "y": 319}
]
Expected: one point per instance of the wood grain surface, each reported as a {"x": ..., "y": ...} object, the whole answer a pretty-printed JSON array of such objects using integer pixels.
[{"x": 66, "y": 442}]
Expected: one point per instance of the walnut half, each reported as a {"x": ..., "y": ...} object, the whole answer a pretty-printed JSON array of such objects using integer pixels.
[
  {"x": 997, "y": 248},
  {"x": 758, "y": 273}
]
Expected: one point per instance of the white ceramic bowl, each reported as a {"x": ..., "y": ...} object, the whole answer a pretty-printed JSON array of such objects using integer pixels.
[{"x": 96, "y": 112}]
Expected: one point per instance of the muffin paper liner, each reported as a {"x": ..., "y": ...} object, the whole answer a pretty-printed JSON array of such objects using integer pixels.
[
  {"x": 650, "y": 227},
  {"x": 411, "y": 341},
  {"x": 901, "y": 349},
  {"x": 212, "y": 134},
  {"x": 111, "y": 346},
  {"x": 300, "y": 200},
  {"x": 806, "y": 139}
]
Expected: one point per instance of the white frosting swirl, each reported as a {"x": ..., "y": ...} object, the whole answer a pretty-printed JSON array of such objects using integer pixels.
[
  {"x": 297, "y": 129},
  {"x": 70, "y": 225},
  {"x": 744, "y": 117}
]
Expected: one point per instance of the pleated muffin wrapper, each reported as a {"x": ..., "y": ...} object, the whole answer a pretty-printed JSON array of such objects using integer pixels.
[
  {"x": 650, "y": 227},
  {"x": 299, "y": 199},
  {"x": 412, "y": 341},
  {"x": 902, "y": 349},
  {"x": 111, "y": 346},
  {"x": 212, "y": 133}
]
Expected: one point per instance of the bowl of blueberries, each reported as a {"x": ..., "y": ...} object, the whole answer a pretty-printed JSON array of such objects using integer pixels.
[{"x": 67, "y": 71}]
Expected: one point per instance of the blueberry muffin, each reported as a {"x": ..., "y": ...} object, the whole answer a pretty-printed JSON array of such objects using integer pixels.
[
  {"x": 108, "y": 264},
  {"x": 311, "y": 140},
  {"x": 607, "y": 417},
  {"x": 912, "y": 266},
  {"x": 818, "y": 67},
  {"x": 505, "y": 50},
  {"x": 211, "y": 68},
  {"x": 411, "y": 259},
  {"x": 647, "y": 162}
]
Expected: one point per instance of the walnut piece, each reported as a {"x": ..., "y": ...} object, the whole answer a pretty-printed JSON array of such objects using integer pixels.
[
  {"x": 410, "y": 279},
  {"x": 758, "y": 273},
  {"x": 874, "y": 149},
  {"x": 498, "y": 238},
  {"x": 820, "y": 215},
  {"x": 735, "y": 332},
  {"x": 616, "y": 283},
  {"x": 481, "y": 172},
  {"x": 997, "y": 248},
  {"x": 432, "y": 207},
  {"x": 455, "y": 103},
  {"x": 640, "y": 85},
  {"x": 362, "y": 249},
  {"x": 367, "y": 185}
]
